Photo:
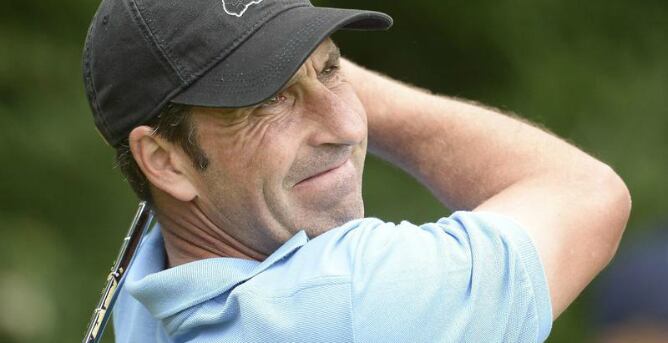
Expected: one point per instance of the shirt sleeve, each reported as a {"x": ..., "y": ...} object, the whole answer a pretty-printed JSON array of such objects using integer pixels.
[{"x": 471, "y": 277}]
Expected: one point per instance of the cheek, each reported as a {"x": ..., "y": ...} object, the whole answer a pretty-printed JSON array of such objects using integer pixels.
[
  {"x": 260, "y": 157},
  {"x": 242, "y": 147}
]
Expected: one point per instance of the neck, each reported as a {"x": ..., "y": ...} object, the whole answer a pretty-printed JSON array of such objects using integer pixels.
[{"x": 190, "y": 235}]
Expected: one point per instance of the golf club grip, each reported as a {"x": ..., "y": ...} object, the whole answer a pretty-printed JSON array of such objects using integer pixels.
[{"x": 140, "y": 224}]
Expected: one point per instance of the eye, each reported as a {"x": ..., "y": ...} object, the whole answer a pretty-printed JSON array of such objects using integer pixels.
[
  {"x": 329, "y": 70},
  {"x": 274, "y": 100}
]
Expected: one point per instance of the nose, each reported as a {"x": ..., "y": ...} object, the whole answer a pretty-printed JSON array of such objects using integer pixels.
[{"x": 335, "y": 119}]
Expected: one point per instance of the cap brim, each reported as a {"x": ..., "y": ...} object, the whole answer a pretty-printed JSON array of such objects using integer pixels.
[{"x": 263, "y": 64}]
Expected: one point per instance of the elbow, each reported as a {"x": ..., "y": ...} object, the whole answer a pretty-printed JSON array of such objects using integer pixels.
[{"x": 616, "y": 205}]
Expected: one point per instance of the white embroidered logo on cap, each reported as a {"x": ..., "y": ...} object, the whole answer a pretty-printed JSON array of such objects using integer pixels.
[{"x": 237, "y": 8}]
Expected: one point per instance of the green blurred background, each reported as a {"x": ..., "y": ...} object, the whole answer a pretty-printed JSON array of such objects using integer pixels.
[{"x": 594, "y": 72}]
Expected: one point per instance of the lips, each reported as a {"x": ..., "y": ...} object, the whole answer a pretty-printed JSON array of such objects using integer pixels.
[{"x": 323, "y": 171}]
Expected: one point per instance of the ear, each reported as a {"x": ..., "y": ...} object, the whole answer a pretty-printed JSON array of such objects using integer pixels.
[{"x": 164, "y": 165}]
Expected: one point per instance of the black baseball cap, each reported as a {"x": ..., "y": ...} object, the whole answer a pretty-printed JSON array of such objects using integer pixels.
[{"x": 141, "y": 54}]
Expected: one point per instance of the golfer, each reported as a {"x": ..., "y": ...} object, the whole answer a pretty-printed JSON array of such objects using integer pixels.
[{"x": 246, "y": 131}]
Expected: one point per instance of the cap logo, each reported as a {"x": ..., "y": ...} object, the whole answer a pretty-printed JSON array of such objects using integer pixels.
[{"x": 237, "y": 8}]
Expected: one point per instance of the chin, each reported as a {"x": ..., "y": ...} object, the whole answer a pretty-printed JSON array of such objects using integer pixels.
[{"x": 333, "y": 218}]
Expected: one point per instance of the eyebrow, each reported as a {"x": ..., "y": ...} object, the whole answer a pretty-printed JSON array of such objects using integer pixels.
[{"x": 334, "y": 55}]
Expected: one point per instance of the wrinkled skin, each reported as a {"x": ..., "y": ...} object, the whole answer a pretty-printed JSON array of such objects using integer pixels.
[{"x": 293, "y": 162}]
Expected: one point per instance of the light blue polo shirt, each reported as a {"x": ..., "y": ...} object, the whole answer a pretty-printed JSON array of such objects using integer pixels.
[{"x": 471, "y": 277}]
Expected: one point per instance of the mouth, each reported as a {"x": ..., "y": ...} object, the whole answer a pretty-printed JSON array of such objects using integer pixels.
[{"x": 327, "y": 173}]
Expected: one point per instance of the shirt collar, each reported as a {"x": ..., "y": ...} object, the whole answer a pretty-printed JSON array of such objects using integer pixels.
[{"x": 166, "y": 292}]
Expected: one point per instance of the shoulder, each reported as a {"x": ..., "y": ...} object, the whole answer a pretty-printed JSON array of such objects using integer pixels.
[
  {"x": 444, "y": 277},
  {"x": 440, "y": 249}
]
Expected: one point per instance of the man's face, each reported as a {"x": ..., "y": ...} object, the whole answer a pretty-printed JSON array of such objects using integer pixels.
[{"x": 294, "y": 162}]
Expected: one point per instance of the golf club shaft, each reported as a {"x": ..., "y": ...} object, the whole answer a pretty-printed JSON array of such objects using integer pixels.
[{"x": 140, "y": 224}]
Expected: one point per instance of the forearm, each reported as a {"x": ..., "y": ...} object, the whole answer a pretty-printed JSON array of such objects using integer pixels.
[{"x": 463, "y": 152}]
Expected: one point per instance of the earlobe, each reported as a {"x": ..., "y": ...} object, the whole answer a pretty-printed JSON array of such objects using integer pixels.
[{"x": 162, "y": 164}]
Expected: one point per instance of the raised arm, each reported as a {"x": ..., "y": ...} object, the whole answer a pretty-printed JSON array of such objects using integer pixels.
[{"x": 573, "y": 206}]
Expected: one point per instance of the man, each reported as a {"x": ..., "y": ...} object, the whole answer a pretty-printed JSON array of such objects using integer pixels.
[{"x": 247, "y": 131}]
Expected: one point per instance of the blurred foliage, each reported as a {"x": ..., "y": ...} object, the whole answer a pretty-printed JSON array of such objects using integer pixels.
[{"x": 594, "y": 72}]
